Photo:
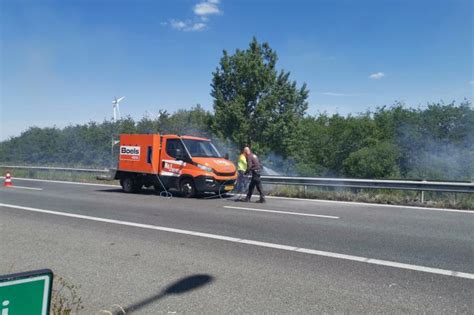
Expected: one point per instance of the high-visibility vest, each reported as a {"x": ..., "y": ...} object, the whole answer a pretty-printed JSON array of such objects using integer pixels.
[{"x": 242, "y": 163}]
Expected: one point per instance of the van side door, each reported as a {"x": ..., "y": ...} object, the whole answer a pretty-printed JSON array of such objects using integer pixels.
[{"x": 172, "y": 160}]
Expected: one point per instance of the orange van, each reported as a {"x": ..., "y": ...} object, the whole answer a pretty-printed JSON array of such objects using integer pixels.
[{"x": 189, "y": 164}]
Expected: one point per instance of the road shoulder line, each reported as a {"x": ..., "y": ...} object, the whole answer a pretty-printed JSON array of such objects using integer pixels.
[
  {"x": 23, "y": 187},
  {"x": 355, "y": 203},
  {"x": 315, "y": 252},
  {"x": 283, "y": 212}
]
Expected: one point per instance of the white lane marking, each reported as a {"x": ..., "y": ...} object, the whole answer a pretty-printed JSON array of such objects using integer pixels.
[
  {"x": 63, "y": 182},
  {"x": 315, "y": 252},
  {"x": 352, "y": 203},
  {"x": 24, "y": 187},
  {"x": 283, "y": 212},
  {"x": 275, "y": 197}
]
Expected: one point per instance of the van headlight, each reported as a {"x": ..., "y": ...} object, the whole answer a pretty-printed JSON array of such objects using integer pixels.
[{"x": 204, "y": 168}]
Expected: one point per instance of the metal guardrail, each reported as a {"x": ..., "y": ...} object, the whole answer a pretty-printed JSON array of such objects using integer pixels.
[
  {"x": 52, "y": 168},
  {"x": 463, "y": 187}
]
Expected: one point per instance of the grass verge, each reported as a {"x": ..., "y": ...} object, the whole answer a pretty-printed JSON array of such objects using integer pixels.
[
  {"x": 379, "y": 196},
  {"x": 65, "y": 299}
]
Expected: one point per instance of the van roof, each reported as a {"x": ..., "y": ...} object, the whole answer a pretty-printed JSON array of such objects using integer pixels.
[
  {"x": 167, "y": 136},
  {"x": 186, "y": 137}
]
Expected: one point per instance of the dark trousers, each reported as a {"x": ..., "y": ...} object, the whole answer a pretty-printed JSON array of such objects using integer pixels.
[{"x": 255, "y": 182}]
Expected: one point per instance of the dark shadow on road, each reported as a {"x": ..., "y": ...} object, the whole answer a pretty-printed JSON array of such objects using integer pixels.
[
  {"x": 175, "y": 193},
  {"x": 119, "y": 190},
  {"x": 179, "y": 287}
]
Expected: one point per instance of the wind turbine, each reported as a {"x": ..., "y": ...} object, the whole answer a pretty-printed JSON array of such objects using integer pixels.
[{"x": 116, "y": 107}]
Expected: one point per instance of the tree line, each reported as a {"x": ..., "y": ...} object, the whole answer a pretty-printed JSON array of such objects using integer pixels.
[{"x": 255, "y": 104}]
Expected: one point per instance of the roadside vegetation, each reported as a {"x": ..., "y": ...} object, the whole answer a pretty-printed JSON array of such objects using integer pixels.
[
  {"x": 379, "y": 196},
  {"x": 65, "y": 298},
  {"x": 258, "y": 104}
]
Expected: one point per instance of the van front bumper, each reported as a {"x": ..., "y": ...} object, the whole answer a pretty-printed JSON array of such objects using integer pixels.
[{"x": 206, "y": 184}]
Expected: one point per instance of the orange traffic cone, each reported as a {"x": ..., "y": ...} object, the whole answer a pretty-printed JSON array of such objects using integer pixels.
[{"x": 8, "y": 180}]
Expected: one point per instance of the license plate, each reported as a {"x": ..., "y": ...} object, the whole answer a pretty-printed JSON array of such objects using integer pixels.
[{"x": 229, "y": 187}]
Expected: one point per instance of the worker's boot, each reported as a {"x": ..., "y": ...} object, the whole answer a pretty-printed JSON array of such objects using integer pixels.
[
  {"x": 261, "y": 200},
  {"x": 246, "y": 199}
]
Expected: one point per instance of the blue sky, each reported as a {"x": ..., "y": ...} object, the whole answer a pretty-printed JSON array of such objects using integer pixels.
[{"x": 62, "y": 62}]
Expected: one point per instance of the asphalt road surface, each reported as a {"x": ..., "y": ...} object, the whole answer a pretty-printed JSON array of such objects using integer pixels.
[{"x": 152, "y": 255}]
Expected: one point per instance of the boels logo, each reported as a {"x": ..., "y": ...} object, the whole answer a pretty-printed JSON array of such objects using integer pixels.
[{"x": 129, "y": 153}]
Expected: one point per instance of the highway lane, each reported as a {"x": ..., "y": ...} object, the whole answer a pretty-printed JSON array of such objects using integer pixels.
[{"x": 421, "y": 237}]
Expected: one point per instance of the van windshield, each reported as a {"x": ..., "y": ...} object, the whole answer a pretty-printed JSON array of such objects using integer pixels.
[{"x": 201, "y": 148}]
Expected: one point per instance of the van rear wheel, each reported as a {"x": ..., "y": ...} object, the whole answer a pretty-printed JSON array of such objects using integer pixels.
[
  {"x": 187, "y": 188},
  {"x": 129, "y": 185}
]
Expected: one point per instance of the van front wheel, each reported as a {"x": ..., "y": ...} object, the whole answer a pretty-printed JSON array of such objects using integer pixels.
[{"x": 187, "y": 188}]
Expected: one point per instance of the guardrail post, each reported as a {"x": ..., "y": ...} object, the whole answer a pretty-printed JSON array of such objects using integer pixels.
[
  {"x": 423, "y": 193},
  {"x": 305, "y": 190}
]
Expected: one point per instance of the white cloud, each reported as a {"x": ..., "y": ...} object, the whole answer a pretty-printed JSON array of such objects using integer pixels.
[
  {"x": 202, "y": 11},
  {"x": 187, "y": 26},
  {"x": 377, "y": 75},
  {"x": 333, "y": 94},
  {"x": 471, "y": 82},
  {"x": 197, "y": 27},
  {"x": 178, "y": 25},
  {"x": 206, "y": 8}
]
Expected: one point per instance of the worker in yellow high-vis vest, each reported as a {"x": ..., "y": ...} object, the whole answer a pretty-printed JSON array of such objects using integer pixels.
[{"x": 241, "y": 169}]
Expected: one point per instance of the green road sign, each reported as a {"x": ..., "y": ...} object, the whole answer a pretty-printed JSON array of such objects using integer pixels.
[{"x": 26, "y": 293}]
